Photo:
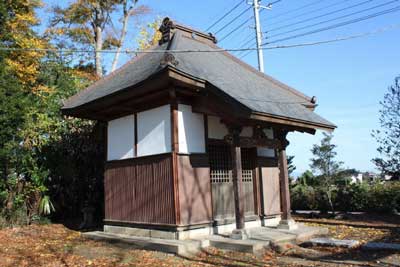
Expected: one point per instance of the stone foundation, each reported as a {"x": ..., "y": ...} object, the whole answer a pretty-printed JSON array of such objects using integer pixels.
[{"x": 188, "y": 234}]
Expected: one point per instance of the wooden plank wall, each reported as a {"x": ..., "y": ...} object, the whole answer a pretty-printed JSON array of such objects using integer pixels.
[
  {"x": 194, "y": 189},
  {"x": 271, "y": 200},
  {"x": 140, "y": 190}
]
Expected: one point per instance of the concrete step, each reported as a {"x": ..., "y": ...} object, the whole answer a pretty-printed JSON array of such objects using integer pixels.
[
  {"x": 179, "y": 247},
  {"x": 304, "y": 233},
  {"x": 248, "y": 245}
]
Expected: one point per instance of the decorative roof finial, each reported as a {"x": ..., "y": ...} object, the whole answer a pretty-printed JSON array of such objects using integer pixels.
[{"x": 166, "y": 30}]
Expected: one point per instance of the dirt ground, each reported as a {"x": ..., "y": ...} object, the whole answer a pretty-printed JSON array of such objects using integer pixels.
[{"x": 55, "y": 245}]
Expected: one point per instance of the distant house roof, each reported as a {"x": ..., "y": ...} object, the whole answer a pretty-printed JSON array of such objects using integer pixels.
[{"x": 258, "y": 92}]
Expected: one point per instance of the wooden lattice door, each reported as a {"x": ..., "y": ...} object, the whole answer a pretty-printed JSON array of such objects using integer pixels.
[{"x": 222, "y": 184}]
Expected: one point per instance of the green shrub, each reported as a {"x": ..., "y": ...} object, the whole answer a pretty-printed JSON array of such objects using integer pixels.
[{"x": 377, "y": 197}]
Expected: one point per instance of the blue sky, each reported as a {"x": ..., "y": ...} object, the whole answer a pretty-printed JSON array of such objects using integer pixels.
[{"x": 349, "y": 78}]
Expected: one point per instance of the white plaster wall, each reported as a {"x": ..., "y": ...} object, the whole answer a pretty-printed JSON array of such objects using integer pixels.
[
  {"x": 121, "y": 138},
  {"x": 247, "y": 131},
  {"x": 190, "y": 130},
  {"x": 216, "y": 129},
  {"x": 267, "y": 152},
  {"x": 154, "y": 131}
]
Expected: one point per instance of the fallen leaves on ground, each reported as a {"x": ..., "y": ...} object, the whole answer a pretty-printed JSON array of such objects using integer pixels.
[
  {"x": 55, "y": 245},
  {"x": 362, "y": 234}
]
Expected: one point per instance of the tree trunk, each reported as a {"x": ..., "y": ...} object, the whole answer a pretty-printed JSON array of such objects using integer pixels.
[
  {"x": 329, "y": 195},
  {"x": 99, "y": 44},
  {"x": 122, "y": 37}
]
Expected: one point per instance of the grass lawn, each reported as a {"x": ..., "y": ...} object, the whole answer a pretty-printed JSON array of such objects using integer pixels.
[{"x": 55, "y": 245}]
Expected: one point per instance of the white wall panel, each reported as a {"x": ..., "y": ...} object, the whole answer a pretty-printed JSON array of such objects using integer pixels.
[
  {"x": 216, "y": 129},
  {"x": 120, "y": 138},
  {"x": 267, "y": 152},
  {"x": 154, "y": 131},
  {"x": 190, "y": 130},
  {"x": 247, "y": 131}
]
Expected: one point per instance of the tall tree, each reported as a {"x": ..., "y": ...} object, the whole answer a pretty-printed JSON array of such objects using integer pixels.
[
  {"x": 388, "y": 137},
  {"x": 326, "y": 166},
  {"x": 291, "y": 166},
  {"x": 89, "y": 24}
]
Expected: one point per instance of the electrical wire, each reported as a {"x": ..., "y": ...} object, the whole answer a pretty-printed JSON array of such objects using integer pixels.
[
  {"x": 237, "y": 28},
  {"x": 319, "y": 16},
  {"x": 295, "y": 9},
  {"x": 233, "y": 20},
  {"x": 377, "y": 31},
  {"x": 384, "y": 12},
  {"x": 306, "y": 13},
  {"x": 334, "y": 19},
  {"x": 226, "y": 14}
]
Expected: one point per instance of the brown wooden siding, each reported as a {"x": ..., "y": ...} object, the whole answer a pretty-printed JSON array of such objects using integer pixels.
[
  {"x": 269, "y": 174},
  {"x": 194, "y": 189},
  {"x": 140, "y": 190}
]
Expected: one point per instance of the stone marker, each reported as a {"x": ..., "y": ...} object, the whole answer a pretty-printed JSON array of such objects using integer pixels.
[
  {"x": 331, "y": 242},
  {"x": 381, "y": 246}
]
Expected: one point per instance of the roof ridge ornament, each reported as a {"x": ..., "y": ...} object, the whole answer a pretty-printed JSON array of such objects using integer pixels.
[
  {"x": 168, "y": 59},
  {"x": 166, "y": 28}
]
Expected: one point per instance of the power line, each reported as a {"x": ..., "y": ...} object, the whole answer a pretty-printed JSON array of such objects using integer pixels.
[
  {"x": 246, "y": 54},
  {"x": 237, "y": 28},
  {"x": 377, "y": 31},
  {"x": 345, "y": 38},
  {"x": 320, "y": 16},
  {"x": 295, "y": 9},
  {"x": 387, "y": 11},
  {"x": 307, "y": 13},
  {"x": 232, "y": 20},
  {"x": 226, "y": 14},
  {"x": 273, "y": 3},
  {"x": 334, "y": 19}
]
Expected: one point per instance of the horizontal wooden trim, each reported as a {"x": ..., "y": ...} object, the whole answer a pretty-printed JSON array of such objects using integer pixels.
[
  {"x": 132, "y": 160},
  {"x": 266, "y": 158},
  {"x": 158, "y": 226},
  {"x": 143, "y": 225},
  {"x": 307, "y": 126},
  {"x": 192, "y": 154}
]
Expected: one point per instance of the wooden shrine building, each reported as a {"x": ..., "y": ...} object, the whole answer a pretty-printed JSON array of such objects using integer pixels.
[{"x": 195, "y": 140}]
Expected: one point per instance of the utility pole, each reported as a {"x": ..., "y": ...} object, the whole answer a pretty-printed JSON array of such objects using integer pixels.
[
  {"x": 257, "y": 7},
  {"x": 260, "y": 54}
]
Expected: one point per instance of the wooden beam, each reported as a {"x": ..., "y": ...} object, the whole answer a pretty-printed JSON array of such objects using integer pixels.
[
  {"x": 260, "y": 142},
  {"x": 291, "y": 122}
]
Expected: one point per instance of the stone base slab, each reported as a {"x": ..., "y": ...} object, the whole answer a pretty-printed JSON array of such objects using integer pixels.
[{"x": 187, "y": 234}]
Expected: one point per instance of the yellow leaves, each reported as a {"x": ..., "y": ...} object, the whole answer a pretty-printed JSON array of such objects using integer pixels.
[
  {"x": 25, "y": 64},
  {"x": 149, "y": 35}
]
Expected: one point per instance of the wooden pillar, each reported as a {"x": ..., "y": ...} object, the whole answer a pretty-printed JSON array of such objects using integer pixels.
[
  {"x": 237, "y": 186},
  {"x": 286, "y": 218},
  {"x": 175, "y": 151},
  {"x": 237, "y": 177},
  {"x": 284, "y": 185}
]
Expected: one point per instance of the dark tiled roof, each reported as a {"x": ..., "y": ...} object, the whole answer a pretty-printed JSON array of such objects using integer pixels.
[{"x": 257, "y": 91}]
